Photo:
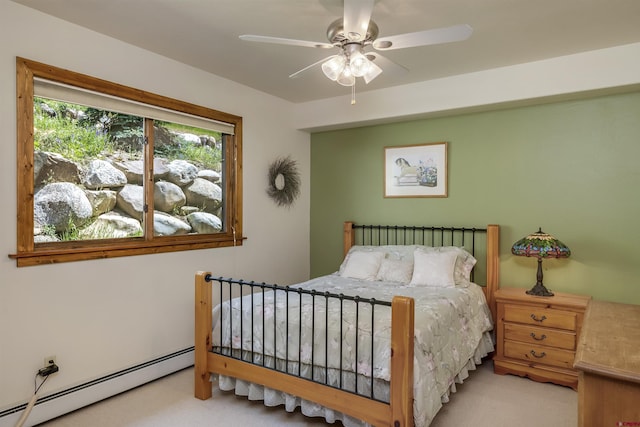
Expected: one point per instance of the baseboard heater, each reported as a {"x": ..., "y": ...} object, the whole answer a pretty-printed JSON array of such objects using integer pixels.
[{"x": 62, "y": 402}]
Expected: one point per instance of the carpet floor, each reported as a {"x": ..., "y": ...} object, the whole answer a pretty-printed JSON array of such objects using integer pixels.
[{"x": 484, "y": 400}]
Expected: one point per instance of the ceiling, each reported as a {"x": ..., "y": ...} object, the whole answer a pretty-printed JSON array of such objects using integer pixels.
[{"x": 204, "y": 34}]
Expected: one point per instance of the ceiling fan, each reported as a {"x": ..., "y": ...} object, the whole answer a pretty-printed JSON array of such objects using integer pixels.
[{"x": 353, "y": 34}]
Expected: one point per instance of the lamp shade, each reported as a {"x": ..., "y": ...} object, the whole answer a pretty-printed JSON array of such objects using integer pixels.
[
  {"x": 350, "y": 64},
  {"x": 541, "y": 245},
  {"x": 372, "y": 72},
  {"x": 334, "y": 66},
  {"x": 346, "y": 78},
  {"x": 359, "y": 64}
]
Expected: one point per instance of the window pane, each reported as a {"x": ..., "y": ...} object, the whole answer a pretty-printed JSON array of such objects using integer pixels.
[
  {"x": 187, "y": 175},
  {"x": 78, "y": 136},
  {"x": 87, "y": 173}
]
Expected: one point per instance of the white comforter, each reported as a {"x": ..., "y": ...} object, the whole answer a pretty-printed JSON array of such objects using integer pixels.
[{"x": 451, "y": 336}]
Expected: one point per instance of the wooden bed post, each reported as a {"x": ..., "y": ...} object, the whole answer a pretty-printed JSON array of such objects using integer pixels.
[
  {"x": 348, "y": 237},
  {"x": 493, "y": 266},
  {"x": 203, "y": 330},
  {"x": 401, "y": 385}
]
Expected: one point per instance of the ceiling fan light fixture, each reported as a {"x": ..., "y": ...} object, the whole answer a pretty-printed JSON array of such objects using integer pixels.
[
  {"x": 354, "y": 32},
  {"x": 372, "y": 72},
  {"x": 334, "y": 67},
  {"x": 359, "y": 64},
  {"x": 346, "y": 78}
]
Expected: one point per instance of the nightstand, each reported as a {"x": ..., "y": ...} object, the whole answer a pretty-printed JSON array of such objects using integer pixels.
[{"x": 537, "y": 336}]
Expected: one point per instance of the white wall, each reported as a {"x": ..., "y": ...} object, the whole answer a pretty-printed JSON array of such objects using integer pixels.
[{"x": 98, "y": 317}]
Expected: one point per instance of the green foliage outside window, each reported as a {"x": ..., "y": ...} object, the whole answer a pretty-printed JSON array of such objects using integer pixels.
[{"x": 83, "y": 133}]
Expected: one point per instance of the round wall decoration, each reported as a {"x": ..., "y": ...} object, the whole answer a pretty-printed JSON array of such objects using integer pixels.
[{"x": 284, "y": 181}]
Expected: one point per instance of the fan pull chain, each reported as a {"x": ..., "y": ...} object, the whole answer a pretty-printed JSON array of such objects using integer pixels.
[{"x": 353, "y": 94}]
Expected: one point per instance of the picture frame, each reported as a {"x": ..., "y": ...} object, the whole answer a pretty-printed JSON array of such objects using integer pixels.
[{"x": 416, "y": 170}]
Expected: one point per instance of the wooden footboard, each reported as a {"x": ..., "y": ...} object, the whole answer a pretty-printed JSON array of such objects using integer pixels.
[{"x": 398, "y": 412}]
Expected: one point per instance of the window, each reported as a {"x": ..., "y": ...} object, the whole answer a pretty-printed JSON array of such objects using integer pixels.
[{"x": 105, "y": 170}]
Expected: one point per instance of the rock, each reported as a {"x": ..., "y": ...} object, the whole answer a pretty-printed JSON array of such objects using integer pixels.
[
  {"x": 134, "y": 170},
  {"x": 204, "y": 194},
  {"x": 167, "y": 196},
  {"x": 163, "y": 138},
  {"x": 190, "y": 138},
  {"x": 61, "y": 205},
  {"x": 48, "y": 110},
  {"x": 210, "y": 141},
  {"x": 160, "y": 169},
  {"x": 45, "y": 238},
  {"x": 181, "y": 172},
  {"x": 167, "y": 225},
  {"x": 53, "y": 167},
  {"x": 186, "y": 210},
  {"x": 101, "y": 174},
  {"x": 112, "y": 225},
  {"x": 204, "y": 223},
  {"x": 210, "y": 175},
  {"x": 101, "y": 200},
  {"x": 130, "y": 200}
]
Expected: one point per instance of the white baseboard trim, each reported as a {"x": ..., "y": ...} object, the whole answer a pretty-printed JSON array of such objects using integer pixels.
[{"x": 62, "y": 402}]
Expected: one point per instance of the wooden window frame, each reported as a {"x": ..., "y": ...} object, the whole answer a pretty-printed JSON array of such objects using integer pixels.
[{"x": 29, "y": 254}]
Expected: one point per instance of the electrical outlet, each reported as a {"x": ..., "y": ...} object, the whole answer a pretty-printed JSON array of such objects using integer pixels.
[
  {"x": 50, "y": 367},
  {"x": 49, "y": 360}
]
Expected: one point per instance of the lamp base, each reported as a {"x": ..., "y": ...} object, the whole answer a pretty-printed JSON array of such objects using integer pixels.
[{"x": 540, "y": 291}]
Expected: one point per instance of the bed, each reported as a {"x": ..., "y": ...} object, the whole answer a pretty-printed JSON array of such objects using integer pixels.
[{"x": 337, "y": 346}]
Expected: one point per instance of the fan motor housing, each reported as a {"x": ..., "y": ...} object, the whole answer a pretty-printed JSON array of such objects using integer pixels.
[{"x": 336, "y": 35}]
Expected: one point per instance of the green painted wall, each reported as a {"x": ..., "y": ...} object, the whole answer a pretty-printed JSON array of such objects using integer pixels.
[{"x": 572, "y": 168}]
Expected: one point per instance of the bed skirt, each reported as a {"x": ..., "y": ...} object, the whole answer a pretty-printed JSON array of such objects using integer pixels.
[{"x": 272, "y": 397}]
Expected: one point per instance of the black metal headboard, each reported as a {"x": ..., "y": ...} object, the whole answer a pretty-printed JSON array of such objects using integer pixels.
[{"x": 472, "y": 239}]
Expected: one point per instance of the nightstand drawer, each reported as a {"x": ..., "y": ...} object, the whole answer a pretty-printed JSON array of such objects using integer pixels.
[
  {"x": 545, "y": 317},
  {"x": 540, "y": 336},
  {"x": 539, "y": 354}
]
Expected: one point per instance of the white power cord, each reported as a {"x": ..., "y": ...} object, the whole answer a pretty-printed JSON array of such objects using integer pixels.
[{"x": 32, "y": 402}]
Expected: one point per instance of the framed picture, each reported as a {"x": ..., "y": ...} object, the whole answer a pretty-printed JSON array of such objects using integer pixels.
[{"x": 416, "y": 170}]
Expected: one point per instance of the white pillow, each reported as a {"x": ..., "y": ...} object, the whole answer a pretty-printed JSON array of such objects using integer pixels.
[
  {"x": 433, "y": 269},
  {"x": 464, "y": 263},
  {"x": 362, "y": 265},
  {"x": 394, "y": 270},
  {"x": 396, "y": 252}
]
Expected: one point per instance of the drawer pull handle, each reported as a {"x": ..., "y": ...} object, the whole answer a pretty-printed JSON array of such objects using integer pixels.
[
  {"x": 542, "y": 337},
  {"x": 536, "y": 355},
  {"x": 541, "y": 319}
]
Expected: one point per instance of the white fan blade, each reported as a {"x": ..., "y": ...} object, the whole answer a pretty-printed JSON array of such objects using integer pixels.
[
  {"x": 280, "y": 40},
  {"x": 423, "y": 38},
  {"x": 357, "y": 14},
  {"x": 390, "y": 67},
  {"x": 297, "y": 73}
]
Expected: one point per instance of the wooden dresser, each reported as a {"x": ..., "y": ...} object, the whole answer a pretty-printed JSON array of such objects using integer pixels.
[
  {"x": 608, "y": 363},
  {"x": 537, "y": 336}
]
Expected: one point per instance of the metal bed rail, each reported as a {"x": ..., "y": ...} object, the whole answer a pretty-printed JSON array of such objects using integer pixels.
[{"x": 280, "y": 301}]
